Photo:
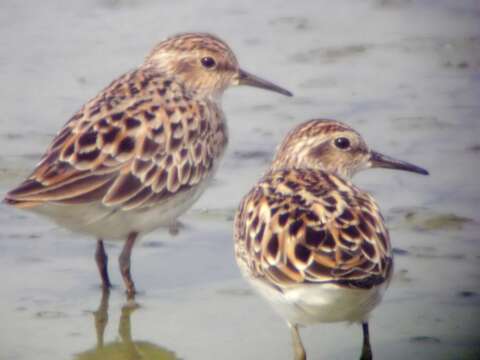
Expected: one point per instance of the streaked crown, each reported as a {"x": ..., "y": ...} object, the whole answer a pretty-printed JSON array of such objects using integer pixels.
[{"x": 204, "y": 65}]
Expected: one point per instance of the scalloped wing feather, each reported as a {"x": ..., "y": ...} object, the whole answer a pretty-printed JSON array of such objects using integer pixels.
[
  {"x": 138, "y": 142},
  {"x": 301, "y": 226}
]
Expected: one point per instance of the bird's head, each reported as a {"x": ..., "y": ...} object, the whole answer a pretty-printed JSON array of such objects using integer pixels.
[
  {"x": 204, "y": 64},
  {"x": 334, "y": 147}
]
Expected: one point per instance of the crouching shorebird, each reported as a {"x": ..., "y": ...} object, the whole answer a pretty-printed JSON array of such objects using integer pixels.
[
  {"x": 142, "y": 151},
  {"x": 311, "y": 242}
]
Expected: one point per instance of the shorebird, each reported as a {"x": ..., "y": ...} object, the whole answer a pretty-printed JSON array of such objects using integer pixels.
[
  {"x": 313, "y": 244},
  {"x": 142, "y": 151}
]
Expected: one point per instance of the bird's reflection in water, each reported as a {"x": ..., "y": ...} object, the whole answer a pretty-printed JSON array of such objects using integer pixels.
[{"x": 125, "y": 348}]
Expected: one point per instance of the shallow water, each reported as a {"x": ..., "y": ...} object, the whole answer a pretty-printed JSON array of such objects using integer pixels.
[{"x": 405, "y": 73}]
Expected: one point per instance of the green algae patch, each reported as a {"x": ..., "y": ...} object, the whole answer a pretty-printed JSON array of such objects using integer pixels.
[
  {"x": 128, "y": 351},
  {"x": 433, "y": 221}
]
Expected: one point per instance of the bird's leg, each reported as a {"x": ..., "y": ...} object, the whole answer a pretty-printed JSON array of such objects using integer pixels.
[
  {"x": 298, "y": 349},
  {"x": 173, "y": 228},
  {"x": 101, "y": 317},
  {"x": 366, "y": 349},
  {"x": 101, "y": 259},
  {"x": 124, "y": 262}
]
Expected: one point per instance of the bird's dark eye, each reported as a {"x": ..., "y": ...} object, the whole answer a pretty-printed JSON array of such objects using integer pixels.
[
  {"x": 208, "y": 62},
  {"x": 342, "y": 143}
]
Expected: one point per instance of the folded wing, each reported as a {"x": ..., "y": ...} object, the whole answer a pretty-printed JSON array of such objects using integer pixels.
[
  {"x": 138, "y": 142},
  {"x": 300, "y": 226}
]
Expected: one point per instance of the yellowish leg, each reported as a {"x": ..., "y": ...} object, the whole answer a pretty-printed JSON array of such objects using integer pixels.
[{"x": 298, "y": 349}]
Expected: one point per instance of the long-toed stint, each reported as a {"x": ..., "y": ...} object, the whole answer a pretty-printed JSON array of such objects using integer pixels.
[
  {"x": 311, "y": 242},
  {"x": 142, "y": 151}
]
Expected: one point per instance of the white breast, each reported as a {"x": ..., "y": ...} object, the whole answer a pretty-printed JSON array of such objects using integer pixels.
[{"x": 308, "y": 304}]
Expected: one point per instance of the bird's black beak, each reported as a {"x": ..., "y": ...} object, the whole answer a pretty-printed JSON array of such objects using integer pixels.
[
  {"x": 378, "y": 160},
  {"x": 245, "y": 78}
]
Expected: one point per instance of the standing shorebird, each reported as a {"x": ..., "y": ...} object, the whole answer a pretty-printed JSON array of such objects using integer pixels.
[
  {"x": 142, "y": 151},
  {"x": 310, "y": 241}
]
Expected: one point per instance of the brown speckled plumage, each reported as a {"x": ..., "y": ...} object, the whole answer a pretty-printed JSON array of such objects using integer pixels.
[
  {"x": 141, "y": 140},
  {"x": 299, "y": 226},
  {"x": 141, "y": 152},
  {"x": 311, "y": 242}
]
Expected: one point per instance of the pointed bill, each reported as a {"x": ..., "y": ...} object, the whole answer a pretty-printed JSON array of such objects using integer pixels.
[
  {"x": 245, "y": 78},
  {"x": 378, "y": 160}
]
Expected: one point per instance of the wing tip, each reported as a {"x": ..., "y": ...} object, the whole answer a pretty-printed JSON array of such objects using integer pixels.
[
  {"x": 21, "y": 204},
  {"x": 18, "y": 196}
]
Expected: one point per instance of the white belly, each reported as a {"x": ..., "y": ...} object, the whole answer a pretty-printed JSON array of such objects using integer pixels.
[
  {"x": 309, "y": 304},
  {"x": 115, "y": 224}
]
